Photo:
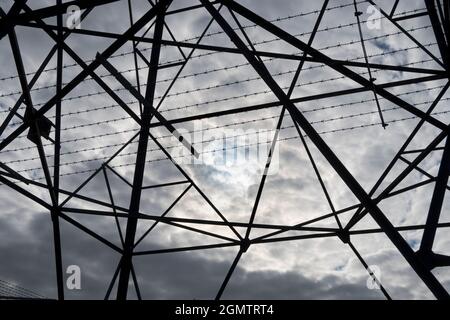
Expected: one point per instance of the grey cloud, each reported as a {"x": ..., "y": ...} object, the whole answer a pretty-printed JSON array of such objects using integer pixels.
[{"x": 291, "y": 196}]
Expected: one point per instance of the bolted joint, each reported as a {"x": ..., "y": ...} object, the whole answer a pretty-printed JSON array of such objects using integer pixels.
[
  {"x": 41, "y": 128},
  {"x": 432, "y": 260},
  {"x": 54, "y": 213},
  {"x": 426, "y": 257},
  {"x": 344, "y": 235},
  {"x": 245, "y": 244}
]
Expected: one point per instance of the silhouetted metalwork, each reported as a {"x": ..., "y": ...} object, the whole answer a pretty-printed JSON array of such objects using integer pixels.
[{"x": 36, "y": 123}]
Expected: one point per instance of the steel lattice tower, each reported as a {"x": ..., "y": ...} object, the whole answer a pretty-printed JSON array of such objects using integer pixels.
[{"x": 45, "y": 121}]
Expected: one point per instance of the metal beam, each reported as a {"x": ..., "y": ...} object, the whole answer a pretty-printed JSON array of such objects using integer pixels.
[
  {"x": 270, "y": 27},
  {"x": 216, "y": 48},
  {"x": 141, "y": 155},
  {"x": 438, "y": 32},
  {"x": 7, "y": 23},
  {"x": 116, "y": 45},
  {"x": 436, "y": 201},
  {"x": 430, "y": 280}
]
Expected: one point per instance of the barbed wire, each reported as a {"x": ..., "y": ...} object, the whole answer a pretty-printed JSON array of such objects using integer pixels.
[
  {"x": 222, "y": 85},
  {"x": 228, "y": 137},
  {"x": 211, "y": 34},
  {"x": 9, "y": 289},
  {"x": 219, "y": 126},
  {"x": 234, "y": 147},
  {"x": 208, "y": 102},
  {"x": 217, "y": 69},
  {"x": 105, "y": 148},
  {"x": 203, "y": 141}
]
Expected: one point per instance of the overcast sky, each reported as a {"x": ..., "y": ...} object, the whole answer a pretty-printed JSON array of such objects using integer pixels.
[{"x": 93, "y": 128}]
